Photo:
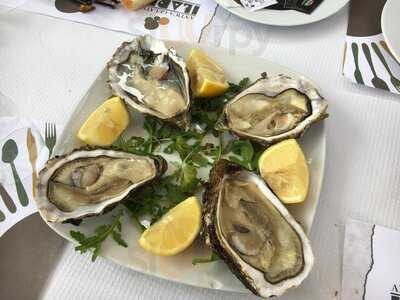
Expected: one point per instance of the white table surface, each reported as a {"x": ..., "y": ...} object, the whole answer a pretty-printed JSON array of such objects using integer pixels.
[{"x": 47, "y": 64}]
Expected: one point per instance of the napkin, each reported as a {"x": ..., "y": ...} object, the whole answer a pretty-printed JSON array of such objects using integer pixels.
[
  {"x": 370, "y": 262},
  {"x": 19, "y": 139},
  {"x": 165, "y": 19},
  {"x": 367, "y": 59}
]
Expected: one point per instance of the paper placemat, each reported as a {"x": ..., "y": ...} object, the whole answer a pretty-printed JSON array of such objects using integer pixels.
[
  {"x": 23, "y": 153},
  {"x": 367, "y": 58},
  {"x": 26, "y": 242},
  {"x": 370, "y": 262},
  {"x": 165, "y": 19}
]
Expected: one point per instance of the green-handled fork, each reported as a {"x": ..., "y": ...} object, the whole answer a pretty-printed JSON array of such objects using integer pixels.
[
  {"x": 357, "y": 72},
  {"x": 394, "y": 80},
  {"x": 50, "y": 137}
]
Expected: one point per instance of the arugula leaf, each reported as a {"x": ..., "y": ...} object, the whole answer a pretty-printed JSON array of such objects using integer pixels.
[
  {"x": 155, "y": 200},
  {"x": 200, "y": 160},
  {"x": 101, "y": 233},
  {"x": 157, "y": 133},
  {"x": 78, "y": 236},
  {"x": 133, "y": 145},
  {"x": 139, "y": 225},
  {"x": 187, "y": 178},
  {"x": 118, "y": 239},
  {"x": 150, "y": 125},
  {"x": 182, "y": 147},
  {"x": 206, "y": 112},
  {"x": 96, "y": 252},
  {"x": 203, "y": 260}
]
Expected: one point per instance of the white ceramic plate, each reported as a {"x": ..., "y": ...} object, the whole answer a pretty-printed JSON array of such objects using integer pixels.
[
  {"x": 286, "y": 17},
  {"x": 391, "y": 26},
  {"x": 179, "y": 268}
]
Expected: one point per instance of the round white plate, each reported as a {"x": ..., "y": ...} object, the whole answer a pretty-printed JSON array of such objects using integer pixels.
[
  {"x": 286, "y": 17},
  {"x": 391, "y": 26},
  {"x": 179, "y": 268}
]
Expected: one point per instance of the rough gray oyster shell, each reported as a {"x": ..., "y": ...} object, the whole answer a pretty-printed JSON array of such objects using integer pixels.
[
  {"x": 252, "y": 231},
  {"x": 87, "y": 182},
  {"x": 152, "y": 79},
  {"x": 274, "y": 109}
]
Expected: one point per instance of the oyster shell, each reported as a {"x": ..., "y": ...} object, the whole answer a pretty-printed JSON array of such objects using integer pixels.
[
  {"x": 251, "y": 230},
  {"x": 274, "y": 109},
  {"x": 152, "y": 79},
  {"x": 87, "y": 182}
]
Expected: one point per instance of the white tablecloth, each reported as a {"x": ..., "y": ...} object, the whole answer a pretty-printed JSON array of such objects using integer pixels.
[{"x": 47, "y": 64}]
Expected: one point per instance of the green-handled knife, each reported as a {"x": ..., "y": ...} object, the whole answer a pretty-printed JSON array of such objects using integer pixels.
[
  {"x": 7, "y": 200},
  {"x": 376, "y": 81}
]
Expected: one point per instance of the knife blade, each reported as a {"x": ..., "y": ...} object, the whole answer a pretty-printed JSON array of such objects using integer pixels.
[{"x": 32, "y": 150}]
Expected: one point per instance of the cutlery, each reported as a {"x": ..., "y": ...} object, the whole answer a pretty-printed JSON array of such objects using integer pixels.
[
  {"x": 376, "y": 81},
  {"x": 385, "y": 46},
  {"x": 357, "y": 72},
  {"x": 2, "y": 216},
  {"x": 50, "y": 137},
  {"x": 32, "y": 150},
  {"x": 8, "y": 201},
  {"x": 394, "y": 80},
  {"x": 9, "y": 154}
]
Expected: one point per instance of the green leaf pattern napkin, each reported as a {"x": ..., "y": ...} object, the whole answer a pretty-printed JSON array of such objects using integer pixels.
[{"x": 367, "y": 59}]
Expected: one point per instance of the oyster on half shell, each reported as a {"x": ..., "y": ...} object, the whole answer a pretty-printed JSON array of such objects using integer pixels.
[
  {"x": 152, "y": 79},
  {"x": 274, "y": 109},
  {"x": 87, "y": 182},
  {"x": 251, "y": 230}
]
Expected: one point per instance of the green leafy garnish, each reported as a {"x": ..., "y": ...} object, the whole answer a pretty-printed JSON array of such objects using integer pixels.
[
  {"x": 100, "y": 235},
  {"x": 153, "y": 201},
  {"x": 157, "y": 133},
  {"x": 206, "y": 112},
  {"x": 244, "y": 153},
  {"x": 204, "y": 260}
]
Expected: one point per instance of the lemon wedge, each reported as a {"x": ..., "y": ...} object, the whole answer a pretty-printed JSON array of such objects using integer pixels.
[
  {"x": 105, "y": 124},
  {"x": 175, "y": 231},
  {"x": 284, "y": 168},
  {"x": 206, "y": 76}
]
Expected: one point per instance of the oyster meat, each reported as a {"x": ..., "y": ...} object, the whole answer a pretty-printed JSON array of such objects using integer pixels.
[
  {"x": 86, "y": 182},
  {"x": 152, "y": 79},
  {"x": 274, "y": 109},
  {"x": 251, "y": 230}
]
